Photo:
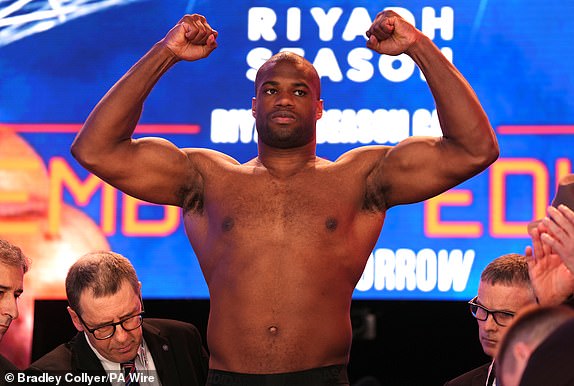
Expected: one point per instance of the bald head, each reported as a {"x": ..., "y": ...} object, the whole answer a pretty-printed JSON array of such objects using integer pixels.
[
  {"x": 290, "y": 59},
  {"x": 528, "y": 330}
]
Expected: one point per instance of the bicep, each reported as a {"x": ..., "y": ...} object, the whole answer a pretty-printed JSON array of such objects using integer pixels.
[
  {"x": 150, "y": 169},
  {"x": 419, "y": 168}
]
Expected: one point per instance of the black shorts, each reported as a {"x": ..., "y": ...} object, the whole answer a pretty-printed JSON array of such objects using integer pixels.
[{"x": 323, "y": 376}]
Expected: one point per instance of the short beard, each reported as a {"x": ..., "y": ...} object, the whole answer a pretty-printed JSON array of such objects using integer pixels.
[{"x": 288, "y": 141}]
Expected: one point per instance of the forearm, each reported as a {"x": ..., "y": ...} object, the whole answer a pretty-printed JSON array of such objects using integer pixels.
[
  {"x": 113, "y": 120},
  {"x": 463, "y": 121}
]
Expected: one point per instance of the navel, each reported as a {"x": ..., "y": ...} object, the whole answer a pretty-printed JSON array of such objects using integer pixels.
[
  {"x": 227, "y": 224},
  {"x": 273, "y": 330},
  {"x": 331, "y": 224}
]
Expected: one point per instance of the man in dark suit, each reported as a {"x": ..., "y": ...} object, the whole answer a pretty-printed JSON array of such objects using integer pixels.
[
  {"x": 104, "y": 297},
  {"x": 503, "y": 290},
  {"x": 13, "y": 266},
  {"x": 475, "y": 377}
]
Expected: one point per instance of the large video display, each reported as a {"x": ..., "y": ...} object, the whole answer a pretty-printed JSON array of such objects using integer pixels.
[{"x": 58, "y": 58}]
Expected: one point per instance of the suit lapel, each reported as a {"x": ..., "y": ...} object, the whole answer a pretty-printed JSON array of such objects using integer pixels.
[
  {"x": 83, "y": 358},
  {"x": 162, "y": 354},
  {"x": 481, "y": 377},
  {"x": 479, "y": 380}
]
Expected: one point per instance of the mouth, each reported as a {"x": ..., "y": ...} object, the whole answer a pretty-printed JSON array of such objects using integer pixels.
[
  {"x": 283, "y": 117},
  {"x": 125, "y": 349},
  {"x": 489, "y": 342}
]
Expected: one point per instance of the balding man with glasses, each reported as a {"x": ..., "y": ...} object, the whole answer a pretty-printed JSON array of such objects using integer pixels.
[
  {"x": 114, "y": 338},
  {"x": 504, "y": 289}
]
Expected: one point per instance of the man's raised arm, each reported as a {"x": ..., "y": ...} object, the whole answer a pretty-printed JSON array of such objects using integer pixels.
[
  {"x": 421, "y": 167},
  {"x": 151, "y": 169}
]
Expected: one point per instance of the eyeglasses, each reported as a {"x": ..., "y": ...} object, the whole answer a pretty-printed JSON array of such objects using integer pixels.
[
  {"x": 107, "y": 331},
  {"x": 502, "y": 318}
]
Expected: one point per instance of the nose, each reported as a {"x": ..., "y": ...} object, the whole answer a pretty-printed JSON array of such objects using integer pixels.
[
  {"x": 284, "y": 99},
  {"x": 121, "y": 335},
  {"x": 9, "y": 306}
]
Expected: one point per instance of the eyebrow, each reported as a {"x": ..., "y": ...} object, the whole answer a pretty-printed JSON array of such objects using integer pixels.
[
  {"x": 127, "y": 315},
  {"x": 494, "y": 310},
  {"x": 6, "y": 288},
  {"x": 295, "y": 84}
]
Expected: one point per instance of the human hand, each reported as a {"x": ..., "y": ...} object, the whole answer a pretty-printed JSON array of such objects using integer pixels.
[
  {"x": 391, "y": 34},
  {"x": 560, "y": 236},
  {"x": 192, "y": 38},
  {"x": 551, "y": 280}
]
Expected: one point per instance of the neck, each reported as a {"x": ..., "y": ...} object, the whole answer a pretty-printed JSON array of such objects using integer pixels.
[{"x": 286, "y": 162}]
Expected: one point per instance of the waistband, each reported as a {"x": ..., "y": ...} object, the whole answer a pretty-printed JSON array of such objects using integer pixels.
[{"x": 335, "y": 375}]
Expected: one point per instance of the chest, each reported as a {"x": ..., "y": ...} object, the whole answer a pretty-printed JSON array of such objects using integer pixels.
[{"x": 308, "y": 203}]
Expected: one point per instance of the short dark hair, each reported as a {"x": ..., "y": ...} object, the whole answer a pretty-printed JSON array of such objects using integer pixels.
[
  {"x": 509, "y": 269},
  {"x": 102, "y": 272},
  {"x": 531, "y": 326},
  {"x": 13, "y": 256}
]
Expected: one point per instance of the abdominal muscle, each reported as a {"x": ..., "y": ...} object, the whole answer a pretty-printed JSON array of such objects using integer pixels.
[
  {"x": 278, "y": 306},
  {"x": 279, "y": 322}
]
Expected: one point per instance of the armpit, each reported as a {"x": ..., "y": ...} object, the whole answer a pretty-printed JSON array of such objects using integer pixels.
[
  {"x": 374, "y": 200},
  {"x": 192, "y": 197}
]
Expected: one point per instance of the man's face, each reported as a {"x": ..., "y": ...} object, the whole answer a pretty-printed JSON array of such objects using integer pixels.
[
  {"x": 499, "y": 297},
  {"x": 11, "y": 287},
  {"x": 96, "y": 312},
  {"x": 287, "y": 105}
]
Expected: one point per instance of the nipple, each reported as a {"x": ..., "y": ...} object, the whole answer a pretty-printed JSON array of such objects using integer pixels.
[
  {"x": 227, "y": 224},
  {"x": 331, "y": 223}
]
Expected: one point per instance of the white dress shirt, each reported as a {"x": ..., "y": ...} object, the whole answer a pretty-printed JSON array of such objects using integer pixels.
[{"x": 143, "y": 361}]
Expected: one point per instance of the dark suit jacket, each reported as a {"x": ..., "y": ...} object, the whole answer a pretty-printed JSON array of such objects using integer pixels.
[
  {"x": 6, "y": 365},
  {"x": 176, "y": 348},
  {"x": 476, "y": 377}
]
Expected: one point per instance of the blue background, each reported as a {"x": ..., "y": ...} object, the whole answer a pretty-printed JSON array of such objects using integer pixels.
[{"x": 516, "y": 54}]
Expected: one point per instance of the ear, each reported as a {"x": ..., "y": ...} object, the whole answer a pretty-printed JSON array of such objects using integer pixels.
[
  {"x": 253, "y": 101},
  {"x": 319, "y": 112},
  {"x": 522, "y": 352},
  {"x": 76, "y": 320}
]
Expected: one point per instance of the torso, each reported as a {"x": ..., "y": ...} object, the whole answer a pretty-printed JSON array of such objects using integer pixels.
[{"x": 281, "y": 257}]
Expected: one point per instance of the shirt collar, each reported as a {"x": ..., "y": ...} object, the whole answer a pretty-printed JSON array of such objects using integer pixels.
[{"x": 114, "y": 366}]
